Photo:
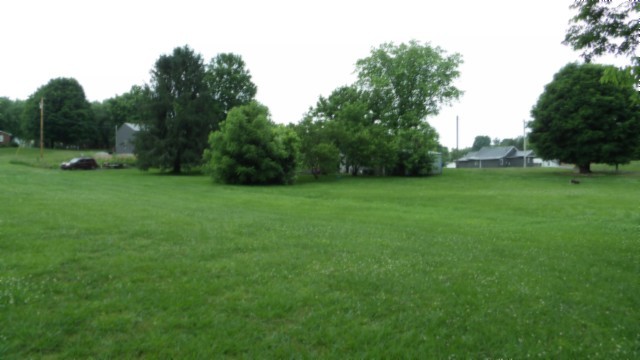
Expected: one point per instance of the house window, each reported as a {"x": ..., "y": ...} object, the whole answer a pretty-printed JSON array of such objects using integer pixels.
[{"x": 1, "y": 138}]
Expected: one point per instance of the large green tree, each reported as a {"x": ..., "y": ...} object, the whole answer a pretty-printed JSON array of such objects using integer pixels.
[
  {"x": 480, "y": 141},
  {"x": 347, "y": 117},
  {"x": 230, "y": 84},
  {"x": 456, "y": 154},
  {"x": 518, "y": 142},
  {"x": 129, "y": 107},
  {"x": 580, "y": 119},
  {"x": 414, "y": 147},
  {"x": 408, "y": 82},
  {"x": 380, "y": 122},
  {"x": 68, "y": 119},
  {"x": 250, "y": 149},
  {"x": 10, "y": 116},
  {"x": 102, "y": 124},
  {"x": 174, "y": 132},
  {"x": 319, "y": 153}
]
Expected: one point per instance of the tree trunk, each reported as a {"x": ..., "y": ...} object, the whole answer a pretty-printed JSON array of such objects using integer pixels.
[
  {"x": 585, "y": 168},
  {"x": 176, "y": 165}
]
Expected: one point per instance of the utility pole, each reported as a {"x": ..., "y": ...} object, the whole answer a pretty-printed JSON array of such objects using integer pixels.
[{"x": 41, "y": 125}]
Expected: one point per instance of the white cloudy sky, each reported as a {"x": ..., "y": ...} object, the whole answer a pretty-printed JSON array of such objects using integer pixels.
[{"x": 295, "y": 50}]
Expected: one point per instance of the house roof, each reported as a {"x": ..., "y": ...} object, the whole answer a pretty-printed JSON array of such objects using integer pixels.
[
  {"x": 496, "y": 153},
  {"x": 134, "y": 127},
  {"x": 519, "y": 153},
  {"x": 490, "y": 153}
]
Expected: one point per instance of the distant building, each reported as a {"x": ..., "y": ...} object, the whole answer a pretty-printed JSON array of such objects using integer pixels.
[
  {"x": 498, "y": 156},
  {"x": 124, "y": 138},
  {"x": 5, "y": 138},
  {"x": 546, "y": 163}
]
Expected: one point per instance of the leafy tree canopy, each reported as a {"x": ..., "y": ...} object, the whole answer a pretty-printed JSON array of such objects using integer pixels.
[
  {"x": 379, "y": 123},
  {"x": 518, "y": 142},
  {"x": 607, "y": 27},
  {"x": 102, "y": 124},
  {"x": 579, "y": 119},
  {"x": 480, "y": 141},
  {"x": 10, "y": 116},
  {"x": 68, "y": 119},
  {"x": 319, "y": 153},
  {"x": 347, "y": 118},
  {"x": 408, "y": 82},
  {"x": 229, "y": 84},
  {"x": 414, "y": 146},
  {"x": 128, "y": 107}
]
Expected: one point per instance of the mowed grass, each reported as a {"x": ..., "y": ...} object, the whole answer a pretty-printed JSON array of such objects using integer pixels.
[{"x": 509, "y": 263}]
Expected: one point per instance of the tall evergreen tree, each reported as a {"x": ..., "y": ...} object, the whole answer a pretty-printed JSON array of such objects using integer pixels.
[{"x": 174, "y": 133}]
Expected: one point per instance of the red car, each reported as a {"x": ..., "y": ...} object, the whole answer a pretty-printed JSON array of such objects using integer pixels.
[{"x": 86, "y": 163}]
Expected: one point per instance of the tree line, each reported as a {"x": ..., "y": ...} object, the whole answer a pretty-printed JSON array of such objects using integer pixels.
[
  {"x": 204, "y": 115},
  {"x": 71, "y": 121},
  {"x": 377, "y": 125}
]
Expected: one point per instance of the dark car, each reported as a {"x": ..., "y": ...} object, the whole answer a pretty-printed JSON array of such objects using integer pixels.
[{"x": 86, "y": 163}]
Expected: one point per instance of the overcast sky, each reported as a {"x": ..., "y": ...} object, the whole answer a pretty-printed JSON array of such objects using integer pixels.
[{"x": 295, "y": 50}]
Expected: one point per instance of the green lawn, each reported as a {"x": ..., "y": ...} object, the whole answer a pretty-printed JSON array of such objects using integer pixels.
[{"x": 509, "y": 263}]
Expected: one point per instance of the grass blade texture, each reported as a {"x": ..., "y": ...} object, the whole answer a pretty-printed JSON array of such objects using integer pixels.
[{"x": 505, "y": 263}]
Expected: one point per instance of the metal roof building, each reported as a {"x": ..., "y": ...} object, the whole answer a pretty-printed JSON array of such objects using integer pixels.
[{"x": 498, "y": 156}]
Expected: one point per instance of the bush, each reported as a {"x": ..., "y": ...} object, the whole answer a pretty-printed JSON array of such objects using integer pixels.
[{"x": 250, "y": 149}]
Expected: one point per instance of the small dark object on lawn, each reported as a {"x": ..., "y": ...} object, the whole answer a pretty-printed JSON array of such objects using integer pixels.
[
  {"x": 575, "y": 181},
  {"x": 109, "y": 165}
]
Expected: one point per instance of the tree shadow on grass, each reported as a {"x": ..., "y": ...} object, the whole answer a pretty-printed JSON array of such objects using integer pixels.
[{"x": 184, "y": 173}]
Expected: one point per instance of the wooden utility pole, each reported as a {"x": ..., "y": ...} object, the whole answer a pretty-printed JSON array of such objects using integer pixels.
[{"x": 41, "y": 125}]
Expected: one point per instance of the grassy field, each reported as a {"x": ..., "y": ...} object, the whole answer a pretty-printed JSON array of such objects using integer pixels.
[{"x": 508, "y": 263}]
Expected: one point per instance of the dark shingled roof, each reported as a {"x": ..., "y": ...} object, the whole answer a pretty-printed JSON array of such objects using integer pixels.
[
  {"x": 520, "y": 153},
  {"x": 490, "y": 153}
]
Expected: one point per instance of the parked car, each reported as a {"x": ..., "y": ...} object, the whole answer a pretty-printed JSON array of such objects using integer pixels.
[{"x": 86, "y": 163}]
